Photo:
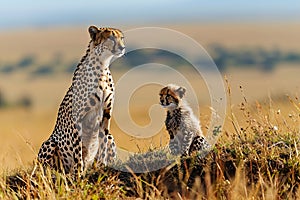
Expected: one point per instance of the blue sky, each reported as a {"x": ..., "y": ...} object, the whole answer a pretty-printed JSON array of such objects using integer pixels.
[{"x": 33, "y": 13}]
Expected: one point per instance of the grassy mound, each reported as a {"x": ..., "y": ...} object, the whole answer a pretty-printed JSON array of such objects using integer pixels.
[{"x": 261, "y": 167}]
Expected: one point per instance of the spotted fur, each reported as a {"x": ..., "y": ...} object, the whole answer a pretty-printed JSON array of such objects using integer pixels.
[
  {"x": 81, "y": 134},
  {"x": 186, "y": 137}
]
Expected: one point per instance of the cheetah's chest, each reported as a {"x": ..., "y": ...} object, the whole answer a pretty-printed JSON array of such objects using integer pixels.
[
  {"x": 92, "y": 121},
  {"x": 90, "y": 133},
  {"x": 173, "y": 122}
]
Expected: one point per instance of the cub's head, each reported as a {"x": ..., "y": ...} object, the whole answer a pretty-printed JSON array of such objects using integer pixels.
[
  {"x": 171, "y": 96},
  {"x": 107, "y": 40}
]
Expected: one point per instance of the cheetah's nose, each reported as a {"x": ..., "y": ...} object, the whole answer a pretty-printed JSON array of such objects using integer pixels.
[{"x": 121, "y": 48}]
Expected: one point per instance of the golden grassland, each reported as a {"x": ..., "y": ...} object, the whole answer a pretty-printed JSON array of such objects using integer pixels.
[
  {"x": 256, "y": 157},
  {"x": 23, "y": 130},
  {"x": 258, "y": 111}
]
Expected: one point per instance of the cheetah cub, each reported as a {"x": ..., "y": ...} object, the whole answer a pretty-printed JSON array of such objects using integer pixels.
[{"x": 186, "y": 137}]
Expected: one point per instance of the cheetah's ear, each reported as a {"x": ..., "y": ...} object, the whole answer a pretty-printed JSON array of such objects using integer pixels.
[
  {"x": 93, "y": 30},
  {"x": 181, "y": 91}
]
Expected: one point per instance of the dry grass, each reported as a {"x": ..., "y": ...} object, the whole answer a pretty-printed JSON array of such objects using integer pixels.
[{"x": 256, "y": 158}]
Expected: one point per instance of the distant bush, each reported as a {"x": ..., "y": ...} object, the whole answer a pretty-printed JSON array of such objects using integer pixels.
[
  {"x": 26, "y": 61},
  {"x": 150, "y": 55},
  {"x": 256, "y": 57},
  {"x": 292, "y": 57},
  {"x": 71, "y": 67},
  {"x": 43, "y": 70},
  {"x": 25, "y": 102},
  {"x": 224, "y": 57},
  {"x": 2, "y": 100},
  {"x": 7, "y": 69}
]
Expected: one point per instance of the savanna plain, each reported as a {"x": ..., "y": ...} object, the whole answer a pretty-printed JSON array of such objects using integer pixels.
[{"x": 256, "y": 155}]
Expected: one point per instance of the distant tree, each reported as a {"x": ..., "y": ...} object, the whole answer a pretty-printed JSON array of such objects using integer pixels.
[
  {"x": 7, "y": 69},
  {"x": 2, "y": 100},
  {"x": 43, "y": 70},
  {"x": 292, "y": 57},
  {"x": 256, "y": 57},
  {"x": 268, "y": 64},
  {"x": 221, "y": 56},
  {"x": 245, "y": 57},
  {"x": 271, "y": 59},
  {"x": 151, "y": 55},
  {"x": 71, "y": 67},
  {"x": 25, "y": 102},
  {"x": 26, "y": 61}
]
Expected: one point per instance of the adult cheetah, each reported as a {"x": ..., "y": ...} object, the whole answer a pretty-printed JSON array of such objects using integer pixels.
[
  {"x": 186, "y": 137},
  {"x": 81, "y": 134}
]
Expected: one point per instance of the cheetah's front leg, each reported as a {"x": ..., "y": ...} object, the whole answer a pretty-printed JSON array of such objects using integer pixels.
[
  {"x": 47, "y": 152},
  {"x": 174, "y": 146},
  {"x": 107, "y": 146},
  {"x": 111, "y": 153},
  {"x": 107, "y": 149},
  {"x": 186, "y": 143},
  {"x": 102, "y": 151},
  {"x": 106, "y": 120},
  {"x": 78, "y": 164}
]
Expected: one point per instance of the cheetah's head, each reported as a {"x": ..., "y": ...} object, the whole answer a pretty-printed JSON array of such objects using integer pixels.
[
  {"x": 171, "y": 96},
  {"x": 109, "y": 41}
]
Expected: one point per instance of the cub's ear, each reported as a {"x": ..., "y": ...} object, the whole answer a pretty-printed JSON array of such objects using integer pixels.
[
  {"x": 93, "y": 30},
  {"x": 181, "y": 91}
]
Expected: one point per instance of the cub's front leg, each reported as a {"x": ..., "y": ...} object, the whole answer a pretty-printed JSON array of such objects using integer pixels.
[
  {"x": 186, "y": 143},
  {"x": 174, "y": 146}
]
